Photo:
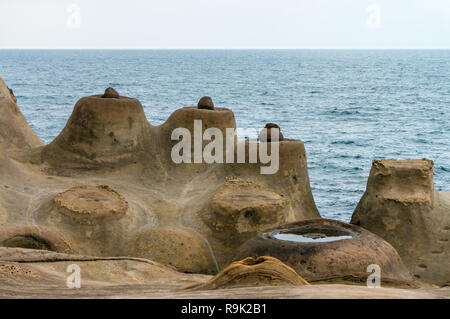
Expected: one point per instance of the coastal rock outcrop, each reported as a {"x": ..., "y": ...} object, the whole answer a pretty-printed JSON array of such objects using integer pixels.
[
  {"x": 325, "y": 250},
  {"x": 250, "y": 272},
  {"x": 109, "y": 184},
  {"x": 15, "y": 132},
  {"x": 401, "y": 205}
]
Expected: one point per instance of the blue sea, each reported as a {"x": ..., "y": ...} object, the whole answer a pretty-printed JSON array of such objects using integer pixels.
[{"x": 348, "y": 107}]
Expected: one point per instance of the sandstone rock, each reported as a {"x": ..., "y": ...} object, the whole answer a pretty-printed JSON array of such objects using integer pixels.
[
  {"x": 266, "y": 133},
  {"x": 111, "y": 93},
  {"x": 153, "y": 205},
  {"x": 240, "y": 209},
  {"x": 324, "y": 250},
  {"x": 206, "y": 103},
  {"x": 100, "y": 132},
  {"x": 14, "y": 129},
  {"x": 89, "y": 204},
  {"x": 174, "y": 246},
  {"x": 33, "y": 237},
  {"x": 250, "y": 272},
  {"x": 402, "y": 206}
]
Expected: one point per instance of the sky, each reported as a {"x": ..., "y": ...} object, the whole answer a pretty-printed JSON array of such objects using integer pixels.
[{"x": 225, "y": 24}]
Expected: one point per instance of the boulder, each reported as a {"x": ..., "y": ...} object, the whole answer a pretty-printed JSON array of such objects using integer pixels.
[
  {"x": 266, "y": 133},
  {"x": 329, "y": 251},
  {"x": 401, "y": 205},
  {"x": 205, "y": 103},
  {"x": 250, "y": 272},
  {"x": 111, "y": 93}
]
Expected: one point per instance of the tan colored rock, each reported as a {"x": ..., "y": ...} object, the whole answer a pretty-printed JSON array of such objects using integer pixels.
[
  {"x": 33, "y": 237},
  {"x": 402, "y": 206},
  {"x": 14, "y": 129},
  {"x": 101, "y": 132},
  {"x": 206, "y": 103},
  {"x": 239, "y": 210},
  {"x": 266, "y": 133},
  {"x": 329, "y": 251},
  {"x": 89, "y": 204},
  {"x": 111, "y": 93},
  {"x": 250, "y": 272},
  {"x": 174, "y": 246},
  {"x": 108, "y": 141}
]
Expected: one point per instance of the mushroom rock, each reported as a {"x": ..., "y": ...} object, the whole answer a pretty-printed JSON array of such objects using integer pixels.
[
  {"x": 175, "y": 246},
  {"x": 100, "y": 132},
  {"x": 401, "y": 205},
  {"x": 111, "y": 93},
  {"x": 14, "y": 129},
  {"x": 266, "y": 133},
  {"x": 238, "y": 211},
  {"x": 205, "y": 103},
  {"x": 324, "y": 250},
  {"x": 250, "y": 272}
]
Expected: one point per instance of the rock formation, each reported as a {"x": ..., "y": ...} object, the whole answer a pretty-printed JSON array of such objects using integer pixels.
[
  {"x": 15, "y": 132},
  {"x": 324, "y": 250},
  {"x": 100, "y": 132},
  {"x": 206, "y": 103},
  {"x": 107, "y": 186},
  {"x": 402, "y": 206},
  {"x": 250, "y": 272},
  {"x": 266, "y": 133},
  {"x": 111, "y": 93}
]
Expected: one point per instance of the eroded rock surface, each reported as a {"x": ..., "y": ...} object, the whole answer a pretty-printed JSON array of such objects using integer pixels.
[
  {"x": 250, "y": 272},
  {"x": 324, "y": 250},
  {"x": 108, "y": 186},
  {"x": 402, "y": 206}
]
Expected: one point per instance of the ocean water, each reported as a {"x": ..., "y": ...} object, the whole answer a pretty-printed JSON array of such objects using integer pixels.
[{"x": 348, "y": 107}]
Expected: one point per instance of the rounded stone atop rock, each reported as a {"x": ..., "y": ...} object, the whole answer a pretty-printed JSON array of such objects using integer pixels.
[
  {"x": 111, "y": 93},
  {"x": 206, "y": 103},
  {"x": 89, "y": 204},
  {"x": 266, "y": 133},
  {"x": 329, "y": 251},
  {"x": 251, "y": 272}
]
